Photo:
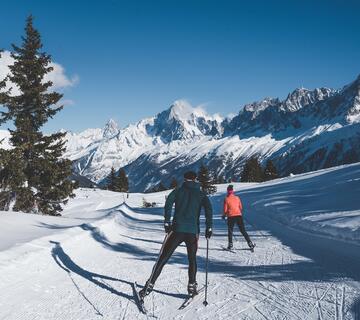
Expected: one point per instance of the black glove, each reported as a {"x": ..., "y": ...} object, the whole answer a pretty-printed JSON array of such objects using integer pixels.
[
  {"x": 167, "y": 227},
  {"x": 208, "y": 233},
  {"x": 223, "y": 217}
]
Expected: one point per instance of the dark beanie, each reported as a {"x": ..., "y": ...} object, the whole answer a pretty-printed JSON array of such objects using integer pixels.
[
  {"x": 230, "y": 187},
  {"x": 190, "y": 175}
]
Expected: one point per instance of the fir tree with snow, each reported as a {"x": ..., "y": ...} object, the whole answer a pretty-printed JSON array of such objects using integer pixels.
[
  {"x": 206, "y": 180},
  {"x": 35, "y": 165}
]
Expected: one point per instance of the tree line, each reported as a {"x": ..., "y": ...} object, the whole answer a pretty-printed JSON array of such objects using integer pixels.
[{"x": 252, "y": 172}]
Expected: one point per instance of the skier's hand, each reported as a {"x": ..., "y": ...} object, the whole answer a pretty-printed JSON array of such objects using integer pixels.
[
  {"x": 208, "y": 233},
  {"x": 167, "y": 227},
  {"x": 223, "y": 217}
]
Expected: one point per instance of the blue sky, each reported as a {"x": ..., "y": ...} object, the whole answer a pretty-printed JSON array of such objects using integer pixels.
[{"x": 134, "y": 58}]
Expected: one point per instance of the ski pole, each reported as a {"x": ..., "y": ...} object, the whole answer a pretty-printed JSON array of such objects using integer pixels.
[{"x": 205, "y": 303}]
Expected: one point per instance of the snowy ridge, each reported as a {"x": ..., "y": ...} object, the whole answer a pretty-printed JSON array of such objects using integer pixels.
[{"x": 309, "y": 130}]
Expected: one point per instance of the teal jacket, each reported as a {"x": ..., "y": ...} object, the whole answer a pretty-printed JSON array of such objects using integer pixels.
[{"x": 189, "y": 200}]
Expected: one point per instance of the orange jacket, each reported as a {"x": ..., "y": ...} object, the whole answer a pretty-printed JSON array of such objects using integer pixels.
[{"x": 232, "y": 206}]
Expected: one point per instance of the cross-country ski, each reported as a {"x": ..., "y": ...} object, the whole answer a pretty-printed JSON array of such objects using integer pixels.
[{"x": 191, "y": 298}]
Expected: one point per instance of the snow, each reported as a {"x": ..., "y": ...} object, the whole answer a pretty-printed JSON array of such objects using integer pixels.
[
  {"x": 81, "y": 265},
  {"x": 5, "y": 139}
]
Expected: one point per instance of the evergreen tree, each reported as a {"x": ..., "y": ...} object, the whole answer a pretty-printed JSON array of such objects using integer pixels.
[
  {"x": 221, "y": 179},
  {"x": 206, "y": 180},
  {"x": 270, "y": 171},
  {"x": 160, "y": 187},
  {"x": 112, "y": 180},
  {"x": 173, "y": 183},
  {"x": 122, "y": 182},
  {"x": 2, "y": 86},
  {"x": 252, "y": 171},
  {"x": 37, "y": 164}
]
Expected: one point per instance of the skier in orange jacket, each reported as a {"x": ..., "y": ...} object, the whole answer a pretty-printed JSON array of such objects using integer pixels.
[{"x": 233, "y": 212}]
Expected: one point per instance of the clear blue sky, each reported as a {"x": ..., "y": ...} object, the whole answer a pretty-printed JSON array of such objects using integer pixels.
[{"x": 134, "y": 58}]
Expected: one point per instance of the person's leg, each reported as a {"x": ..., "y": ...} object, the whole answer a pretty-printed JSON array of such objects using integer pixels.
[
  {"x": 172, "y": 242},
  {"x": 191, "y": 241},
  {"x": 240, "y": 223},
  {"x": 230, "y": 223}
]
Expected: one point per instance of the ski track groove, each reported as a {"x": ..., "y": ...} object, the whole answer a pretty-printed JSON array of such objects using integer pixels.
[
  {"x": 342, "y": 302},
  {"x": 125, "y": 310},
  {"x": 336, "y": 304},
  {"x": 318, "y": 306},
  {"x": 276, "y": 302}
]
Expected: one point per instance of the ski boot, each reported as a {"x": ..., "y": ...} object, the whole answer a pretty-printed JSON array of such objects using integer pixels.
[
  {"x": 251, "y": 246},
  {"x": 148, "y": 288},
  {"x": 230, "y": 246},
  {"x": 192, "y": 289}
]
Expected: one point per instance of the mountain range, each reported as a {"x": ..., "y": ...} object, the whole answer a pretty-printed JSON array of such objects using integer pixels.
[{"x": 309, "y": 130}]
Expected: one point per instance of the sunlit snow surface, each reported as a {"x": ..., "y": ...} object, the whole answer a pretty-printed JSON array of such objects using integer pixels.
[{"x": 306, "y": 264}]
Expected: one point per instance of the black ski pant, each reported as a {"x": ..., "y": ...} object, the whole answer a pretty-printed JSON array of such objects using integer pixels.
[
  {"x": 173, "y": 240},
  {"x": 240, "y": 222}
]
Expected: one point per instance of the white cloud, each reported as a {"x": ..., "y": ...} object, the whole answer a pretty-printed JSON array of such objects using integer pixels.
[
  {"x": 66, "y": 102},
  {"x": 57, "y": 76}
]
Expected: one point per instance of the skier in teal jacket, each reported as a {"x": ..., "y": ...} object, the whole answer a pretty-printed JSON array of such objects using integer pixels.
[{"x": 184, "y": 227}]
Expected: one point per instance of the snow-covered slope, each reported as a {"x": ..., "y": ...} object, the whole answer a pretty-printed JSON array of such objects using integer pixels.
[
  {"x": 82, "y": 265},
  {"x": 309, "y": 130}
]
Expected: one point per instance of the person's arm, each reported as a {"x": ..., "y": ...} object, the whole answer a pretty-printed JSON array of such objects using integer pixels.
[
  {"x": 240, "y": 205},
  {"x": 169, "y": 205},
  {"x": 208, "y": 213},
  {"x": 225, "y": 209}
]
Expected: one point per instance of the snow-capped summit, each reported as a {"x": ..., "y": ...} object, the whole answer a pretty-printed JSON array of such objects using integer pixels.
[
  {"x": 111, "y": 129},
  {"x": 184, "y": 122},
  {"x": 181, "y": 110},
  {"x": 302, "y": 97},
  {"x": 257, "y": 107}
]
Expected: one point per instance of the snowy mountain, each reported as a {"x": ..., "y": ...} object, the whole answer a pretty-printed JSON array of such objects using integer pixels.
[
  {"x": 164, "y": 135},
  {"x": 308, "y": 130}
]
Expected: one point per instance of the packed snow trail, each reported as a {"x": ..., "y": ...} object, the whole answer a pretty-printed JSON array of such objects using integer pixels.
[{"x": 83, "y": 265}]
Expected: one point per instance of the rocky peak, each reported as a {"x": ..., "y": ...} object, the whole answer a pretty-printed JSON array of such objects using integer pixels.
[
  {"x": 111, "y": 129},
  {"x": 302, "y": 97}
]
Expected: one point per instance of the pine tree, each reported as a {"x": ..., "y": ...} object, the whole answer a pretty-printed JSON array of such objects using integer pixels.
[
  {"x": 122, "y": 182},
  {"x": 160, "y": 187},
  {"x": 206, "y": 180},
  {"x": 173, "y": 183},
  {"x": 270, "y": 171},
  {"x": 221, "y": 180},
  {"x": 252, "y": 171},
  {"x": 41, "y": 174},
  {"x": 112, "y": 180},
  {"x": 2, "y": 86}
]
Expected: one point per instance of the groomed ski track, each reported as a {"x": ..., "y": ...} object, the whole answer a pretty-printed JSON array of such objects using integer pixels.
[{"x": 85, "y": 268}]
